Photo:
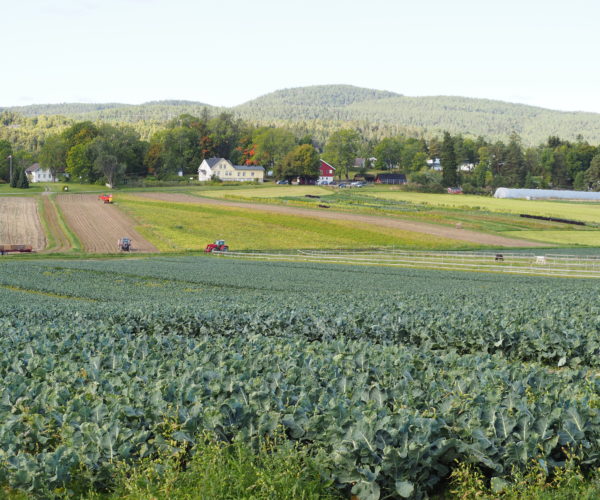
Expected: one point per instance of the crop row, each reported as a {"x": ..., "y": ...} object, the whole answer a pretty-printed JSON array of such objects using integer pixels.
[{"x": 551, "y": 321}]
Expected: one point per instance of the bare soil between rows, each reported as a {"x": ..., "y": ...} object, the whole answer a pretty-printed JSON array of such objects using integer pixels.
[
  {"x": 417, "y": 227},
  {"x": 99, "y": 225}
]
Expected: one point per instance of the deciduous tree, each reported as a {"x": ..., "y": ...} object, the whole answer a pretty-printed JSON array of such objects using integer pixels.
[
  {"x": 5, "y": 151},
  {"x": 271, "y": 145},
  {"x": 448, "y": 159},
  {"x": 108, "y": 165},
  {"x": 388, "y": 153},
  {"x": 341, "y": 149},
  {"x": 53, "y": 155},
  {"x": 592, "y": 174},
  {"x": 303, "y": 160},
  {"x": 80, "y": 164}
]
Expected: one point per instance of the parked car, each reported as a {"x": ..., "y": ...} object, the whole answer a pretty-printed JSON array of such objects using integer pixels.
[
  {"x": 358, "y": 184},
  {"x": 284, "y": 181},
  {"x": 342, "y": 185}
]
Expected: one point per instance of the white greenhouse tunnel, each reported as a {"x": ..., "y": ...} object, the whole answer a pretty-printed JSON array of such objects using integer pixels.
[{"x": 541, "y": 194}]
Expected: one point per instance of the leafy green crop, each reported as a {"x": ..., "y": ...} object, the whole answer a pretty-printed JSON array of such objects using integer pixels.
[{"x": 392, "y": 377}]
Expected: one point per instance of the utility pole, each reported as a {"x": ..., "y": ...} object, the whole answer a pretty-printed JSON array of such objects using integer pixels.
[{"x": 10, "y": 168}]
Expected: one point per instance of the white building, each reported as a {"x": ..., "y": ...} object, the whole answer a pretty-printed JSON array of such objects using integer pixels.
[
  {"x": 35, "y": 173},
  {"x": 545, "y": 194},
  {"x": 434, "y": 164},
  {"x": 226, "y": 171}
]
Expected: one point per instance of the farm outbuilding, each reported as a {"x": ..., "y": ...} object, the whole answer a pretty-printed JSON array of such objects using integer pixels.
[
  {"x": 326, "y": 172},
  {"x": 390, "y": 179},
  {"x": 545, "y": 194}
]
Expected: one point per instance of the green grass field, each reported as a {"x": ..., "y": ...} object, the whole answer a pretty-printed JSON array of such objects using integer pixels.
[
  {"x": 586, "y": 212},
  {"x": 477, "y": 213},
  {"x": 186, "y": 226},
  {"x": 33, "y": 189},
  {"x": 565, "y": 238}
]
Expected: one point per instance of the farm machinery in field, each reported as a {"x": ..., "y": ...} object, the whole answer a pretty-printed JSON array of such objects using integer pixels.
[
  {"x": 125, "y": 244},
  {"x": 217, "y": 246},
  {"x": 106, "y": 198},
  {"x": 15, "y": 248}
]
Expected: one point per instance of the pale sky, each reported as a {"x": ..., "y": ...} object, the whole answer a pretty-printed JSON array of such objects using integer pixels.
[{"x": 226, "y": 52}]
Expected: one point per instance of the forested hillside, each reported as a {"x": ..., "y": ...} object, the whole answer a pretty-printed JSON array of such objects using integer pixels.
[
  {"x": 320, "y": 110},
  {"x": 322, "y": 102},
  {"x": 155, "y": 111}
]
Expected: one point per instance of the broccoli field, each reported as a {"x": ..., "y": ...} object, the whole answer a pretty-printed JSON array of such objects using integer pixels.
[{"x": 392, "y": 377}]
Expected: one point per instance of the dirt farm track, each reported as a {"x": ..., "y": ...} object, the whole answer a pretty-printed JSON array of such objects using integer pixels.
[
  {"x": 98, "y": 225},
  {"x": 20, "y": 222}
]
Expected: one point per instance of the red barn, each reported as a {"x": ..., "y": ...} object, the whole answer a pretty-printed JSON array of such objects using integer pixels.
[{"x": 326, "y": 173}]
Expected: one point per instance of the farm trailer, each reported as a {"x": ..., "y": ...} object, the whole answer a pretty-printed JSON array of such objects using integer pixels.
[{"x": 4, "y": 249}]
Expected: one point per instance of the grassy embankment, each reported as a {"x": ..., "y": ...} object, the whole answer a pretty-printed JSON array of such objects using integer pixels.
[{"x": 187, "y": 226}]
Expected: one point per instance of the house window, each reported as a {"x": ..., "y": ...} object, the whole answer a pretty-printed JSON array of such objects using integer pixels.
[{"x": 252, "y": 174}]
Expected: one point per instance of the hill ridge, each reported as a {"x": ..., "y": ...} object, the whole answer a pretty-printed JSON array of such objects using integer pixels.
[{"x": 320, "y": 109}]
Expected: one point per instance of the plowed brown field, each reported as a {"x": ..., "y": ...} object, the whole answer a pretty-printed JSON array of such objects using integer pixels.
[
  {"x": 361, "y": 220},
  {"x": 99, "y": 225},
  {"x": 20, "y": 222}
]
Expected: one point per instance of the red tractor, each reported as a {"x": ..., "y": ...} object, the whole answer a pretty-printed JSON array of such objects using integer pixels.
[
  {"x": 106, "y": 198},
  {"x": 217, "y": 246}
]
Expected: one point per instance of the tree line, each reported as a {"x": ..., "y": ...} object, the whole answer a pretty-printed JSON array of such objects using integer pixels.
[
  {"x": 109, "y": 153},
  {"x": 105, "y": 153}
]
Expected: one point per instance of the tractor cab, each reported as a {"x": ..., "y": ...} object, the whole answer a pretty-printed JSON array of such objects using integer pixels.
[
  {"x": 124, "y": 244},
  {"x": 217, "y": 246}
]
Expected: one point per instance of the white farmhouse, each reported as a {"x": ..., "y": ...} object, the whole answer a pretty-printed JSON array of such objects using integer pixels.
[
  {"x": 226, "y": 171},
  {"x": 35, "y": 173},
  {"x": 205, "y": 171}
]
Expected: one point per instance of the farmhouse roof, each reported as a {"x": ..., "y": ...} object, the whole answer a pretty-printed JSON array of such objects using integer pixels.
[
  {"x": 391, "y": 176},
  {"x": 328, "y": 164},
  {"x": 212, "y": 161},
  {"x": 33, "y": 168}
]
